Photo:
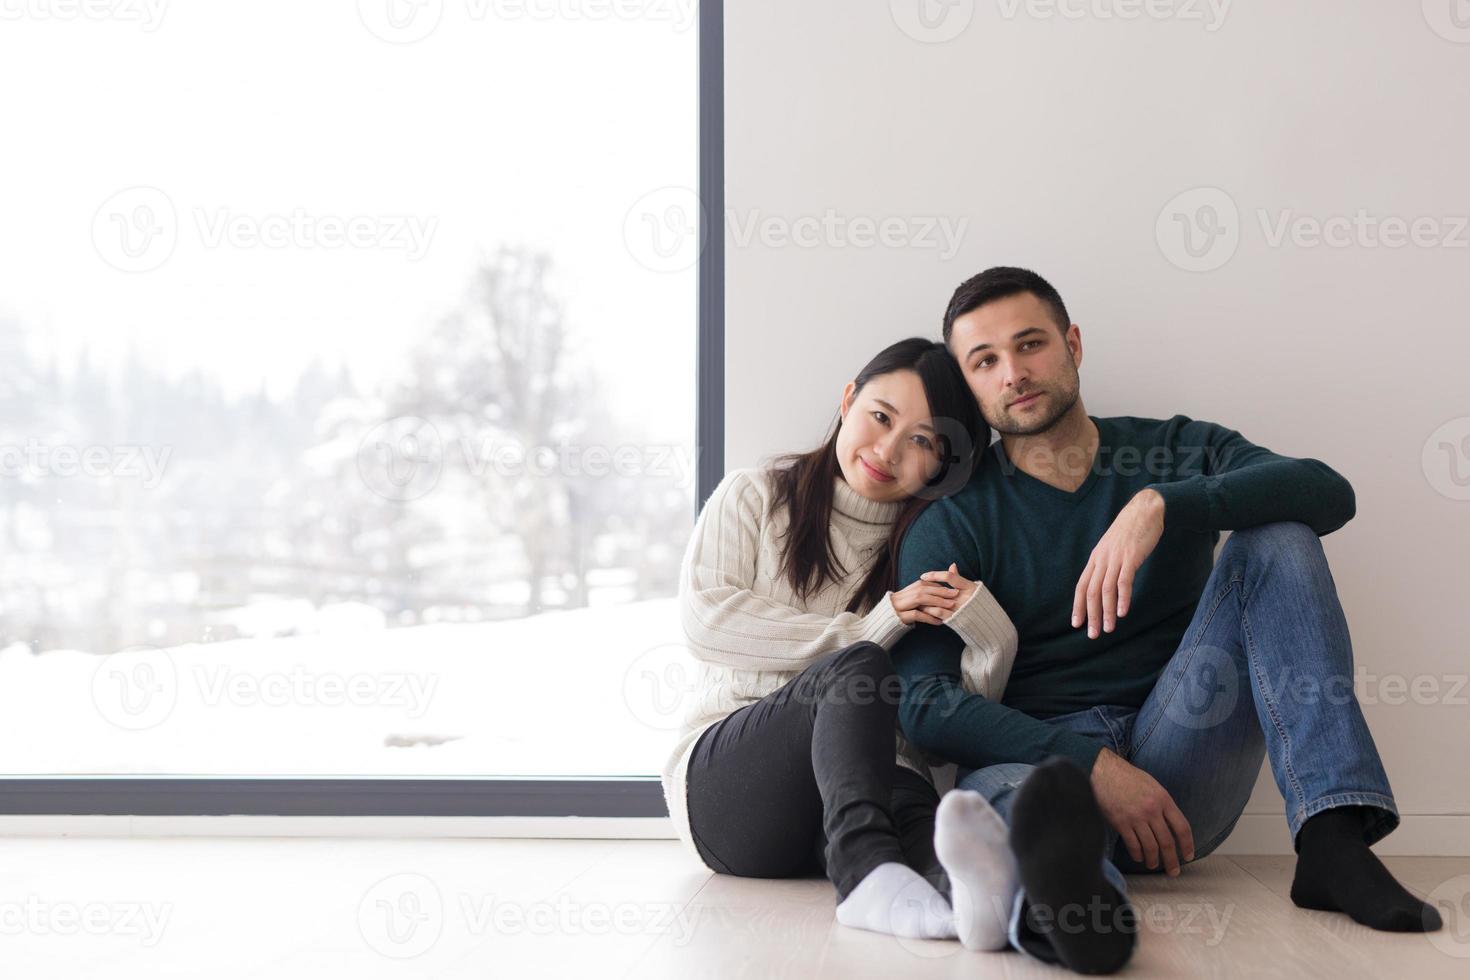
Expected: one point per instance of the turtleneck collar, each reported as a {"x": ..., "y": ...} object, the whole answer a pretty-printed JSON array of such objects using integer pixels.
[{"x": 847, "y": 501}]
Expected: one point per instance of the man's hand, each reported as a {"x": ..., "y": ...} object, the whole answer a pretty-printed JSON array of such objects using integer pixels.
[
  {"x": 1106, "y": 586},
  {"x": 1142, "y": 812}
]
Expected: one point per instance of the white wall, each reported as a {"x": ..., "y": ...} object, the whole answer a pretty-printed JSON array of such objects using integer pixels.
[{"x": 1061, "y": 140}]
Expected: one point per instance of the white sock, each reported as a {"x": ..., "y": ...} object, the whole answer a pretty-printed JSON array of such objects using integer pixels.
[
  {"x": 973, "y": 844},
  {"x": 895, "y": 899}
]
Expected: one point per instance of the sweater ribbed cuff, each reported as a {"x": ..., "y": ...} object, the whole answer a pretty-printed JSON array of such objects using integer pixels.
[
  {"x": 989, "y": 632},
  {"x": 882, "y": 626}
]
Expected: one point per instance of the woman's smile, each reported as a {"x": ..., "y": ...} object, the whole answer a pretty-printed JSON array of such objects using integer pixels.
[{"x": 874, "y": 472}]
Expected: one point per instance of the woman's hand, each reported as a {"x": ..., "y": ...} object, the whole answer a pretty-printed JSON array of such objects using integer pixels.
[
  {"x": 962, "y": 588},
  {"x": 931, "y": 599}
]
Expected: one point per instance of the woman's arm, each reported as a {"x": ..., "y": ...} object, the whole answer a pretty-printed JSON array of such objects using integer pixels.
[
  {"x": 990, "y": 642},
  {"x": 726, "y": 623}
]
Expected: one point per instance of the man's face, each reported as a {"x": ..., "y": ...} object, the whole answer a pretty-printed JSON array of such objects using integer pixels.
[{"x": 1021, "y": 369}]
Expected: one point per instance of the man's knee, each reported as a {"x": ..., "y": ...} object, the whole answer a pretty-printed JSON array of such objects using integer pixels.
[
  {"x": 1279, "y": 539},
  {"x": 993, "y": 779}
]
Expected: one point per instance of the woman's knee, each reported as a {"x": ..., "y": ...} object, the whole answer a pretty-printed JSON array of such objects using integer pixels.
[
  {"x": 865, "y": 657},
  {"x": 861, "y": 674}
]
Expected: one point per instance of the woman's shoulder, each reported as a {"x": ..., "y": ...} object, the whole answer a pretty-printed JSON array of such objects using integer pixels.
[
  {"x": 746, "y": 480},
  {"x": 747, "y": 488}
]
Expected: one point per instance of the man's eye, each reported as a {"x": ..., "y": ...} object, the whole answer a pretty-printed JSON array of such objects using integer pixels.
[
  {"x": 1031, "y": 343},
  {"x": 984, "y": 362}
]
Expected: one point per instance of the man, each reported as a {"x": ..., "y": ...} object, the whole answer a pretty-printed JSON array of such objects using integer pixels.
[{"x": 1150, "y": 679}]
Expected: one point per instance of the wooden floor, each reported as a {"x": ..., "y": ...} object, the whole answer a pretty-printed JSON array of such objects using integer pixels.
[{"x": 278, "y": 907}]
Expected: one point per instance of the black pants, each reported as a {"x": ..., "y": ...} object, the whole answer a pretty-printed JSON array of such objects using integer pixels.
[{"x": 804, "y": 782}]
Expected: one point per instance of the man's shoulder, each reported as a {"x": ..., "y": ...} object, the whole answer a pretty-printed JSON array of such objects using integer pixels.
[
  {"x": 1144, "y": 431},
  {"x": 947, "y": 514}
]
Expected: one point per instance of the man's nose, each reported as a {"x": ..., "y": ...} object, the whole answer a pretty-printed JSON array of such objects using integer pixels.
[{"x": 1015, "y": 374}]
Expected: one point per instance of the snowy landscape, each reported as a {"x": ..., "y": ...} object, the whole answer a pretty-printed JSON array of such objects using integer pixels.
[{"x": 595, "y": 691}]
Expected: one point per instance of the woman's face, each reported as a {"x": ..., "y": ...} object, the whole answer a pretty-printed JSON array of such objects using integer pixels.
[{"x": 887, "y": 447}]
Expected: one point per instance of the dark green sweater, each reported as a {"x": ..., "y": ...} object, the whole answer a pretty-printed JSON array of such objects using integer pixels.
[{"x": 1028, "y": 542}]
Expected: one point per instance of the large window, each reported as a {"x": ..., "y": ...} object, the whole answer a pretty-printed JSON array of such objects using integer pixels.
[{"x": 348, "y": 390}]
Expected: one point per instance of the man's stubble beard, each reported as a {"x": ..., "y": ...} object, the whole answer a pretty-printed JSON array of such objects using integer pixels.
[{"x": 1065, "y": 399}]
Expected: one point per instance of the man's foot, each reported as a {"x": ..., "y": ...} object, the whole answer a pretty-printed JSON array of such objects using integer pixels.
[
  {"x": 1058, "y": 835},
  {"x": 895, "y": 899},
  {"x": 1337, "y": 872},
  {"x": 970, "y": 839}
]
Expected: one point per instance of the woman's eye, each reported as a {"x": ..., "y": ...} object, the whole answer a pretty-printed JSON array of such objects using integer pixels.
[
  {"x": 880, "y": 417},
  {"x": 923, "y": 442}
]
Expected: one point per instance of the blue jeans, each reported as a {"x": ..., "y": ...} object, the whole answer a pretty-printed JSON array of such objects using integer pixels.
[{"x": 1265, "y": 669}]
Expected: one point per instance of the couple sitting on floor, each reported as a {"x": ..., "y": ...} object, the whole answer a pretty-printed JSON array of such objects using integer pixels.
[{"x": 1047, "y": 614}]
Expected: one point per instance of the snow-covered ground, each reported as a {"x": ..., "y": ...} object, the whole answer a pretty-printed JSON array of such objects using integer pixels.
[{"x": 596, "y": 691}]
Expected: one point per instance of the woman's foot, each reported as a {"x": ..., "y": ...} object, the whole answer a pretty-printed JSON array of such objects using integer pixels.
[
  {"x": 897, "y": 900},
  {"x": 973, "y": 845}
]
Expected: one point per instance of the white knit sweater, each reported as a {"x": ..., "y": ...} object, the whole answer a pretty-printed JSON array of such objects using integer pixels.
[{"x": 750, "y": 634}]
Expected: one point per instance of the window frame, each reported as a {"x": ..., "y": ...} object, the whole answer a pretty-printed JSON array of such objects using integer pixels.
[{"x": 470, "y": 796}]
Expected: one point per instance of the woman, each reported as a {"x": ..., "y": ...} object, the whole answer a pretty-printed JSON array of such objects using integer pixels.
[{"x": 790, "y": 762}]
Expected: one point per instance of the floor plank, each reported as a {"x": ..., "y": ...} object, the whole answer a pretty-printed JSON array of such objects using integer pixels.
[
  {"x": 1445, "y": 882},
  {"x": 461, "y": 908}
]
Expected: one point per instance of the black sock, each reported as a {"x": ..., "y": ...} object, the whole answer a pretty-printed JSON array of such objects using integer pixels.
[
  {"x": 1336, "y": 872},
  {"x": 1058, "y": 834}
]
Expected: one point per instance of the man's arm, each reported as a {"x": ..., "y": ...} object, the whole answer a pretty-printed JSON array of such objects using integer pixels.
[
  {"x": 1218, "y": 481},
  {"x": 1226, "y": 482},
  {"x": 937, "y": 714}
]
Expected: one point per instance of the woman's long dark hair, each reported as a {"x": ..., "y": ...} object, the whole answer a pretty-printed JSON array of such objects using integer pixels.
[{"x": 804, "y": 481}]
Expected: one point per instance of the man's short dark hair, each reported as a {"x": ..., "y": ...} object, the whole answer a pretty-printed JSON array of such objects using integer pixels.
[{"x": 999, "y": 283}]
